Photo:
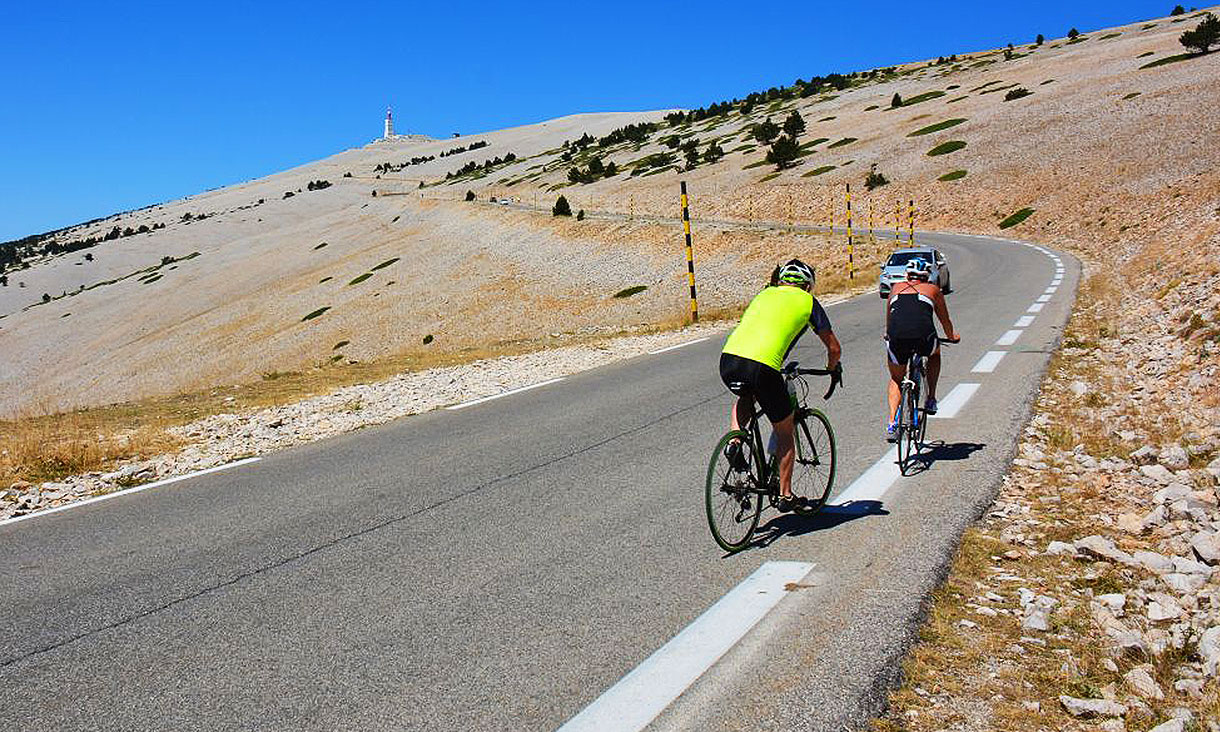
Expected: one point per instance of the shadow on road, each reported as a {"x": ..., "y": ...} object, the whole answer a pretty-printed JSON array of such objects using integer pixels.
[
  {"x": 933, "y": 452},
  {"x": 790, "y": 524}
]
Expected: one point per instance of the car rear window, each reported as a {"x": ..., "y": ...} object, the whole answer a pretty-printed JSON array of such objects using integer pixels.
[{"x": 898, "y": 258}]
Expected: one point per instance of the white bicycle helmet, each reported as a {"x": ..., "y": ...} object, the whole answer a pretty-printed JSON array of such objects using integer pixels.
[{"x": 796, "y": 272}]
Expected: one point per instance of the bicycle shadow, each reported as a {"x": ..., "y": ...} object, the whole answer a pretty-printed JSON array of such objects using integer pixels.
[
  {"x": 790, "y": 524},
  {"x": 934, "y": 452}
]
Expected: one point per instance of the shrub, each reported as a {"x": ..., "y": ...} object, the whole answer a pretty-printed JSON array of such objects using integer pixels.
[
  {"x": 874, "y": 179},
  {"x": 1039, "y": 40},
  {"x": 784, "y": 151},
  {"x": 1178, "y": 10},
  {"x": 936, "y": 127},
  {"x": 713, "y": 153},
  {"x": 611, "y": 170},
  {"x": 1073, "y": 34},
  {"x": 629, "y": 291},
  {"x": 1017, "y": 93},
  {"x": 580, "y": 215},
  {"x": 794, "y": 125},
  {"x": 947, "y": 147},
  {"x": 46, "y": 297},
  {"x": 952, "y": 175},
  {"x": 561, "y": 207},
  {"x": 469, "y": 195},
  {"x": 1016, "y": 218},
  {"x": 3, "y": 280},
  {"x": 896, "y": 101},
  {"x": 1205, "y": 35},
  {"x": 672, "y": 142},
  {"x": 88, "y": 256},
  {"x": 290, "y": 194}
]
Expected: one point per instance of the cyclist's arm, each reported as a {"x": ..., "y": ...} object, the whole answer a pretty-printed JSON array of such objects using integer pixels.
[
  {"x": 820, "y": 322},
  {"x": 942, "y": 312},
  {"x": 833, "y": 349}
]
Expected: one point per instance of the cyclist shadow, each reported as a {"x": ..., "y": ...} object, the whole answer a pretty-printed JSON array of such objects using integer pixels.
[
  {"x": 791, "y": 524},
  {"x": 941, "y": 450}
]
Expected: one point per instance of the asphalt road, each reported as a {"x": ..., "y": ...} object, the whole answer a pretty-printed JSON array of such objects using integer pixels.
[{"x": 499, "y": 567}]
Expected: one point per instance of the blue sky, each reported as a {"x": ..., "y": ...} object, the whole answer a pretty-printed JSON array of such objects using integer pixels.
[{"x": 106, "y": 106}]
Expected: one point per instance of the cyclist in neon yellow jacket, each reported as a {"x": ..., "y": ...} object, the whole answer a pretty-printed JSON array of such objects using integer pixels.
[{"x": 754, "y": 355}]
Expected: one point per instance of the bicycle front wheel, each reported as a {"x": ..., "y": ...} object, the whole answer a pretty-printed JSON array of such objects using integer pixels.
[
  {"x": 732, "y": 503},
  {"x": 813, "y": 471}
]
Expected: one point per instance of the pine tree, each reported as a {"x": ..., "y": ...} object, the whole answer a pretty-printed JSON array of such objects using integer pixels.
[
  {"x": 794, "y": 125},
  {"x": 783, "y": 152},
  {"x": 896, "y": 102},
  {"x": 561, "y": 207},
  {"x": 1205, "y": 35}
]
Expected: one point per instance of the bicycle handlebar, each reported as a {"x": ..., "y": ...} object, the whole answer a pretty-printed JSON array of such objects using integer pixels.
[{"x": 836, "y": 375}]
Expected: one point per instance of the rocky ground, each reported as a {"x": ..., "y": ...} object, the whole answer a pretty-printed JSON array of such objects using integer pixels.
[{"x": 1088, "y": 597}]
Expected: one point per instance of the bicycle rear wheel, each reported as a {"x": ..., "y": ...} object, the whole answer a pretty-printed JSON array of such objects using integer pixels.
[
  {"x": 813, "y": 471},
  {"x": 908, "y": 434},
  {"x": 733, "y": 506}
]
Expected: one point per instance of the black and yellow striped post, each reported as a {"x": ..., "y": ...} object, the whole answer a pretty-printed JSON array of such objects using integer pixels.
[
  {"x": 690, "y": 256},
  {"x": 911, "y": 223},
  {"x": 830, "y": 214},
  {"x": 897, "y": 223},
  {"x": 851, "y": 248}
]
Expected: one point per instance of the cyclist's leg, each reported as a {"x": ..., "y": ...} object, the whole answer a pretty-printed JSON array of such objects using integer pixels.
[
  {"x": 932, "y": 369},
  {"x": 785, "y": 452},
  {"x": 896, "y": 363}
]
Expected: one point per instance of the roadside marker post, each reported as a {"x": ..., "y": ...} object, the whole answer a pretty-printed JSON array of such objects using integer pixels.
[
  {"x": 897, "y": 223},
  {"x": 851, "y": 249},
  {"x": 690, "y": 256},
  {"x": 911, "y": 223}
]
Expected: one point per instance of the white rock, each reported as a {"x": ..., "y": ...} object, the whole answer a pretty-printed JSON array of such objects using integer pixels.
[
  {"x": 1174, "y": 457},
  {"x": 1173, "y": 725},
  {"x": 1103, "y": 548},
  {"x": 1153, "y": 561},
  {"x": 1192, "y": 688},
  {"x": 1087, "y": 708},
  {"x": 1163, "y": 607},
  {"x": 1112, "y": 725},
  {"x": 1172, "y": 492},
  {"x": 1114, "y": 602},
  {"x": 1038, "y": 613},
  {"x": 1206, "y": 545},
  {"x": 1146, "y": 455},
  {"x": 1060, "y": 547},
  {"x": 1184, "y": 583},
  {"x": 1209, "y": 650},
  {"x": 1159, "y": 473},
  {"x": 1190, "y": 566},
  {"x": 1142, "y": 682}
]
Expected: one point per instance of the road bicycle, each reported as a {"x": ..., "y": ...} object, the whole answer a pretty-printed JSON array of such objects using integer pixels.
[
  {"x": 742, "y": 476},
  {"x": 912, "y": 419}
]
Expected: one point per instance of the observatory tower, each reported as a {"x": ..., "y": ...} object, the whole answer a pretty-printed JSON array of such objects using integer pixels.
[{"x": 389, "y": 124}]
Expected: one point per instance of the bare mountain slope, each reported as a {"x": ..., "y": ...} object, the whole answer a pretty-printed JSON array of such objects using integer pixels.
[{"x": 1097, "y": 150}]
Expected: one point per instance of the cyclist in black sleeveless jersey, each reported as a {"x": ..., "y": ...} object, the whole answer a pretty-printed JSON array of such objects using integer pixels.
[{"x": 909, "y": 329}]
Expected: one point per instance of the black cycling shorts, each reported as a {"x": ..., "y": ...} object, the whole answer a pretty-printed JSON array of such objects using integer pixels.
[
  {"x": 750, "y": 379},
  {"x": 900, "y": 350}
]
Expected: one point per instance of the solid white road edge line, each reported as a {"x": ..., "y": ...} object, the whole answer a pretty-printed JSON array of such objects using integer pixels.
[
  {"x": 135, "y": 489},
  {"x": 988, "y": 362},
  {"x": 518, "y": 390},
  {"x": 680, "y": 345},
  {"x": 1009, "y": 338},
  {"x": 637, "y": 699},
  {"x": 953, "y": 402},
  {"x": 1024, "y": 321}
]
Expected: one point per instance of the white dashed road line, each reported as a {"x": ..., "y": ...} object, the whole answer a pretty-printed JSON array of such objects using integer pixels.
[
  {"x": 988, "y": 362},
  {"x": 641, "y": 695},
  {"x": 1024, "y": 321},
  {"x": 136, "y": 489},
  {"x": 510, "y": 392},
  {"x": 1009, "y": 338},
  {"x": 1036, "y": 307},
  {"x": 953, "y": 402}
]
